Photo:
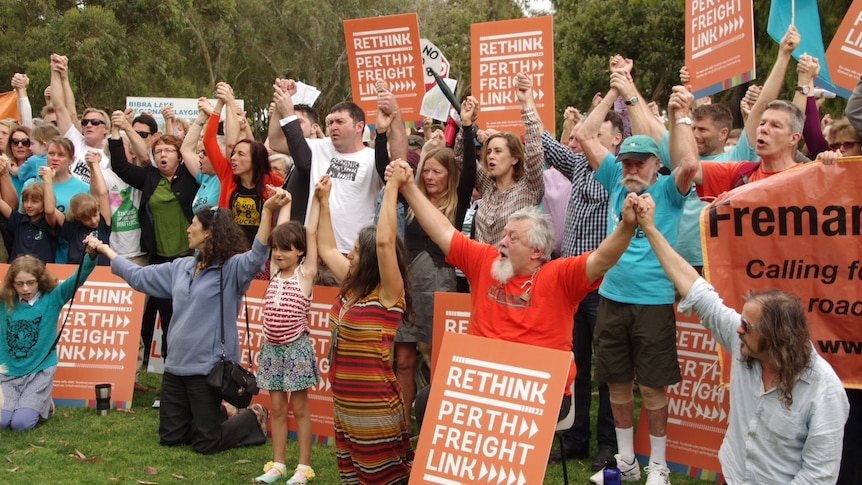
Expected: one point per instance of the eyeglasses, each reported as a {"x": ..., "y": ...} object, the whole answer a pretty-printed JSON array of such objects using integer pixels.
[
  {"x": 22, "y": 284},
  {"x": 164, "y": 150},
  {"x": 746, "y": 326},
  {"x": 143, "y": 134},
  {"x": 91, "y": 121},
  {"x": 844, "y": 145},
  {"x": 20, "y": 141}
]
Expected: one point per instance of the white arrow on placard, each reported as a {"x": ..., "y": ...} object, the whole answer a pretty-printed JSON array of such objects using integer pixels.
[
  {"x": 483, "y": 471},
  {"x": 534, "y": 429},
  {"x": 493, "y": 474},
  {"x": 521, "y": 479},
  {"x": 502, "y": 476}
]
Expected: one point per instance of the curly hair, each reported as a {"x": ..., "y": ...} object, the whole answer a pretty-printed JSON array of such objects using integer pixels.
[
  {"x": 366, "y": 277},
  {"x": 226, "y": 238},
  {"x": 785, "y": 337},
  {"x": 27, "y": 264}
]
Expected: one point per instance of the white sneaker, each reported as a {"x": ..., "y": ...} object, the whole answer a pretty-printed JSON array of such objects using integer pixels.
[
  {"x": 657, "y": 474},
  {"x": 629, "y": 472}
]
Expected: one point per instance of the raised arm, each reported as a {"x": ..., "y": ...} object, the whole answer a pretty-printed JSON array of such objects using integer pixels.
[
  {"x": 683, "y": 147},
  {"x": 534, "y": 164},
  {"x": 387, "y": 106},
  {"x": 136, "y": 144},
  {"x": 682, "y": 274},
  {"x": 53, "y": 217},
  {"x": 58, "y": 94},
  {"x": 278, "y": 197},
  {"x": 189, "y": 148},
  {"x": 773, "y": 83},
  {"x": 98, "y": 187},
  {"x": 613, "y": 247},
  {"x": 588, "y": 135},
  {"x": 19, "y": 84},
  {"x": 131, "y": 174},
  {"x": 283, "y": 89},
  {"x": 435, "y": 224},
  {"x": 224, "y": 92},
  {"x": 643, "y": 122},
  {"x": 309, "y": 267},
  {"x": 326, "y": 246},
  {"x": 391, "y": 281}
]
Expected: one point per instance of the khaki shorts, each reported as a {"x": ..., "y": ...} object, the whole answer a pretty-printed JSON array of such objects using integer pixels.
[{"x": 636, "y": 341}]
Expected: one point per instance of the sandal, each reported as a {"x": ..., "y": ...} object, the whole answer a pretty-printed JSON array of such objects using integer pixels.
[
  {"x": 262, "y": 415},
  {"x": 273, "y": 473},
  {"x": 301, "y": 476}
]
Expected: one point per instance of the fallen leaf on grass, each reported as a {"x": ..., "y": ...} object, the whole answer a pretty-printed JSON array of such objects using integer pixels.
[
  {"x": 115, "y": 479},
  {"x": 151, "y": 470},
  {"x": 13, "y": 470},
  {"x": 178, "y": 477},
  {"x": 242, "y": 462},
  {"x": 9, "y": 459},
  {"x": 65, "y": 415},
  {"x": 141, "y": 482},
  {"x": 122, "y": 410},
  {"x": 83, "y": 458}
]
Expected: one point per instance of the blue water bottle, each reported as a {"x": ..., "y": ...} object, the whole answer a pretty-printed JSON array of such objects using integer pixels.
[{"x": 611, "y": 474}]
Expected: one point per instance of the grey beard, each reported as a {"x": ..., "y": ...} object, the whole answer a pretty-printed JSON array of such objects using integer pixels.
[{"x": 502, "y": 271}]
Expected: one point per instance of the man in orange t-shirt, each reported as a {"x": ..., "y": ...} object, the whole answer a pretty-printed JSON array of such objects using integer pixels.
[{"x": 518, "y": 294}]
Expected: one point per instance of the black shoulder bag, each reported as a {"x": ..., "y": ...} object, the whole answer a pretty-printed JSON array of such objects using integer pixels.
[{"x": 234, "y": 384}]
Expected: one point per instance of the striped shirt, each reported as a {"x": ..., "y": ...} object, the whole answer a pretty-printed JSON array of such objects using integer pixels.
[{"x": 285, "y": 311}]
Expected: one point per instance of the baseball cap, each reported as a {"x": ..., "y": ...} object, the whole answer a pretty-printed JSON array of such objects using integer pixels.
[{"x": 638, "y": 147}]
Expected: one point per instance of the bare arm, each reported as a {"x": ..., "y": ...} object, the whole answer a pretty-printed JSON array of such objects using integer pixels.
[
  {"x": 391, "y": 281},
  {"x": 683, "y": 147},
  {"x": 231, "y": 122},
  {"x": 388, "y": 110},
  {"x": 278, "y": 197},
  {"x": 136, "y": 144},
  {"x": 309, "y": 267},
  {"x": 190, "y": 143},
  {"x": 643, "y": 122},
  {"x": 54, "y": 217},
  {"x": 327, "y": 248},
  {"x": 98, "y": 187},
  {"x": 588, "y": 136},
  {"x": 7, "y": 189},
  {"x": 613, "y": 247},
  {"x": 772, "y": 86},
  {"x": 58, "y": 94}
]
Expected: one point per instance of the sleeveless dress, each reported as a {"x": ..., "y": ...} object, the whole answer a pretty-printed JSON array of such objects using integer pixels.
[{"x": 372, "y": 439}]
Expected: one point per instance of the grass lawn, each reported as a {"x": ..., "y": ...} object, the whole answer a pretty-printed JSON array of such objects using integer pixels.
[{"x": 77, "y": 446}]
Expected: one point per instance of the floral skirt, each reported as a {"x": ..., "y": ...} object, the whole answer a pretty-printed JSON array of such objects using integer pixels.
[{"x": 288, "y": 367}]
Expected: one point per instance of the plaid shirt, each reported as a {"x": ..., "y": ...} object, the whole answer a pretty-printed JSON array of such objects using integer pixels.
[
  {"x": 496, "y": 207},
  {"x": 587, "y": 213}
]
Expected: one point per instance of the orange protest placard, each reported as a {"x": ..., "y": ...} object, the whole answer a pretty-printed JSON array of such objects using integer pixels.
[
  {"x": 9, "y": 106},
  {"x": 491, "y": 412},
  {"x": 386, "y": 48},
  {"x": 99, "y": 344},
  {"x": 451, "y": 314},
  {"x": 797, "y": 231},
  {"x": 844, "y": 56},
  {"x": 698, "y": 406},
  {"x": 719, "y": 51},
  {"x": 499, "y": 51}
]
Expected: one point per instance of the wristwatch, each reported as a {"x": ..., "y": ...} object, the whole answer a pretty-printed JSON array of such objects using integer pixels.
[
  {"x": 632, "y": 101},
  {"x": 685, "y": 121},
  {"x": 804, "y": 89}
]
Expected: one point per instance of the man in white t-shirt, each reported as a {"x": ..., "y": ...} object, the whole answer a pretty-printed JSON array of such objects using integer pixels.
[{"x": 342, "y": 155}]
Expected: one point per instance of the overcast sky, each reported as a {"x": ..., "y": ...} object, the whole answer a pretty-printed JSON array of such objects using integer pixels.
[{"x": 540, "y": 4}]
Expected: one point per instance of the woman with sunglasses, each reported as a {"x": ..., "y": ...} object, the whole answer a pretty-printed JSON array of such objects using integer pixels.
[
  {"x": 167, "y": 191},
  {"x": 18, "y": 150}
]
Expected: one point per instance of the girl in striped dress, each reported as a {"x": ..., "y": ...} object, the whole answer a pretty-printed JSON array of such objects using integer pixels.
[
  {"x": 287, "y": 360},
  {"x": 372, "y": 438}
]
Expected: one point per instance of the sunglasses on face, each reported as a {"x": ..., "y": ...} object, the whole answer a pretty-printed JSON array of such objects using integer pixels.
[
  {"x": 20, "y": 141},
  {"x": 143, "y": 134},
  {"x": 91, "y": 121},
  {"x": 843, "y": 145},
  {"x": 746, "y": 326}
]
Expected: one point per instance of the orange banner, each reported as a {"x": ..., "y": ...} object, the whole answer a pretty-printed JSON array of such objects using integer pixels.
[
  {"x": 499, "y": 51},
  {"x": 491, "y": 412},
  {"x": 9, "y": 106},
  {"x": 99, "y": 344},
  {"x": 386, "y": 48},
  {"x": 719, "y": 51},
  {"x": 844, "y": 56},
  {"x": 698, "y": 406},
  {"x": 451, "y": 314},
  {"x": 798, "y": 231}
]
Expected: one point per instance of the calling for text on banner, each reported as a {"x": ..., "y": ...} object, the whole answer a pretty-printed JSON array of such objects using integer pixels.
[
  {"x": 799, "y": 231},
  {"x": 498, "y": 52},
  {"x": 386, "y": 48},
  {"x": 100, "y": 342},
  {"x": 719, "y": 51},
  {"x": 491, "y": 413},
  {"x": 844, "y": 55}
]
